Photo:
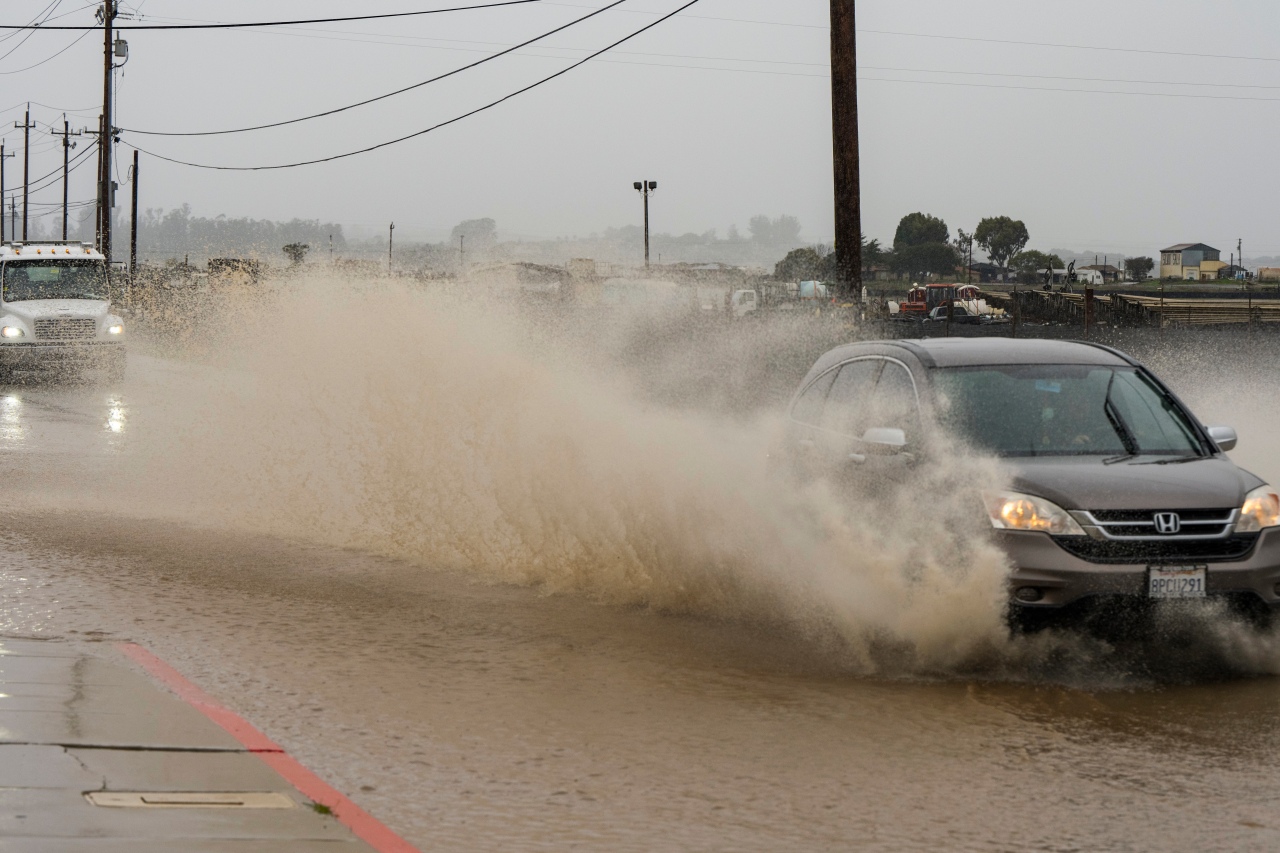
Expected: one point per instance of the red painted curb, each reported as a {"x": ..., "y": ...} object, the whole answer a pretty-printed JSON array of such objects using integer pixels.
[{"x": 366, "y": 827}]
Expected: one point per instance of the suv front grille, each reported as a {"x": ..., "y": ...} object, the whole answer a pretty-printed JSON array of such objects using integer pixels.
[
  {"x": 65, "y": 329},
  {"x": 1170, "y": 549},
  {"x": 1141, "y": 525}
]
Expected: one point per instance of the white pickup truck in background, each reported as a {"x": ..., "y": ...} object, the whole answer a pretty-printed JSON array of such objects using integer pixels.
[{"x": 55, "y": 309}]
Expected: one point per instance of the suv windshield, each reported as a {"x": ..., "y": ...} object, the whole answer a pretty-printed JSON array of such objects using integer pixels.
[
  {"x": 54, "y": 279},
  {"x": 1063, "y": 410}
]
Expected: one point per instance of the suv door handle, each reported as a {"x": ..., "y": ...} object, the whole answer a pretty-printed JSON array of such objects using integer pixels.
[{"x": 857, "y": 458}]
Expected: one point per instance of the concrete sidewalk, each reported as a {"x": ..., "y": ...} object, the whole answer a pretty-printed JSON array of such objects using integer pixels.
[{"x": 74, "y": 720}]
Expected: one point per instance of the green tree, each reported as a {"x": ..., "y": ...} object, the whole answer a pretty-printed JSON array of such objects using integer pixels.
[
  {"x": 1029, "y": 265},
  {"x": 800, "y": 265},
  {"x": 783, "y": 230},
  {"x": 1001, "y": 238},
  {"x": 917, "y": 229},
  {"x": 296, "y": 252},
  {"x": 1140, "y": 267},
  {"x": 941, "y": 258}
]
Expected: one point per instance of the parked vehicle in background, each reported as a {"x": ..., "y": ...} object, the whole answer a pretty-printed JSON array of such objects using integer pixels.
[
  {"x": 959, "y": 315},
  {"x": 55, "y": 309},
  {"x": 743, "y": 302},
  {"x": 1117, "y": 497}
]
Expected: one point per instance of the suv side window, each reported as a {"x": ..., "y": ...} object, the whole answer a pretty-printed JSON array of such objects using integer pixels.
[
  {"x": 893, "y": 403},
  {"x": 808, "y": 408},
  {"x": 846, "y": 408}
]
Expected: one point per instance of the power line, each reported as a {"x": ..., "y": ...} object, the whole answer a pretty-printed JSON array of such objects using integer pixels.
[
  {"x": 453, "y": 120},
  {"x": 54, "y": 56},
  {"x": 221, "y": 26},
  {"x": 1081, "y": 91},
  {"x": 48, "y": 10},
  {"x": 389, "y": 94},
  {"x": 1076, "y": 46}
]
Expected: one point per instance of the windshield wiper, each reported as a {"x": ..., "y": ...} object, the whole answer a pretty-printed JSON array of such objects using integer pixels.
[
  {"x": 1117, "y": 422},
  {"x": 1111, "y": 460},
  {"x": 1177, "y": 460}
]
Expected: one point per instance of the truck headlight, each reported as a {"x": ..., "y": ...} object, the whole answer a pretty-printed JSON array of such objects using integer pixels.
[
  {"x": 117, "y": 329},
  {"x": 11, "y": 332},
  {"x": 1261, "y": 510},
  {"x": 1013, "y": 511}
]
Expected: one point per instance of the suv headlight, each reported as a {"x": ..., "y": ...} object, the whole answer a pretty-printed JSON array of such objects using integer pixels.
[
  {"x": 11, "y": 332},
  {"x": 115, "y": 329},
  {"x": 1261, "y": 509},
  {"x": 1013, "y": 511}
]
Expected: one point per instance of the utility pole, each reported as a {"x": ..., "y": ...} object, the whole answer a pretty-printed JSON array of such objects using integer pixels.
[
  {"x": 108, "y": 13},
  {"x": 844, "y": 128},
  {"x": 26, "y": 164},
  {"x": 645, "y": 188},
  {"x": 462, "y": 256},
  {"x": 133, "y": 220},
  {"x": 391, "y": 236},
  {"x": 67, "y": 145},
  {"x": 3, "y": 157}
]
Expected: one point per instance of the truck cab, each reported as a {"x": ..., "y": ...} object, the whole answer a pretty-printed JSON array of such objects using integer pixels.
[{"x": 55, "y": 309}]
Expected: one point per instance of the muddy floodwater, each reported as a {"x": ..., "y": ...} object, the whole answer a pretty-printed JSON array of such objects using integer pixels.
[{"x": 517, "y": 588}]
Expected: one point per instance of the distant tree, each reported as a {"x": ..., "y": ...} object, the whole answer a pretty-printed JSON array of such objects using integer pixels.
[
  {"x": 296, "y": 252},
  {"x": 480, "y": 234},
  {"x": 873, "y": 254},
  {"x": 1140, "y": 267},
  {"x": 941, "y": 258},
  {"x": 783, "y": 230},
  {"x": 799, "y": 265},
  {"x": 1001, "y": 238},
  {"x": 917, "y": 229},
  {"x": 1029, "y": 264}
]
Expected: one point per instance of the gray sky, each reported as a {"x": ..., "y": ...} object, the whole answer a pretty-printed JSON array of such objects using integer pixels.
[{"x": 726, "y": 105}]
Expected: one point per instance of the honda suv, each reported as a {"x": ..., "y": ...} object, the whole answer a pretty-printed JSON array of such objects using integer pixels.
[{"x": 1117, "y": 494}]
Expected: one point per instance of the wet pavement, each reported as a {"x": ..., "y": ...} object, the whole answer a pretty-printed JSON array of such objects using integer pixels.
[
  {"x": 470, "y": 714},
  {"x": 93, "y": 756}
]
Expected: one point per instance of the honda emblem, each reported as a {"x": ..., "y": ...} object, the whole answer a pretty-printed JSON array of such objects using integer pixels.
[{"x": 1168, "y": 523}]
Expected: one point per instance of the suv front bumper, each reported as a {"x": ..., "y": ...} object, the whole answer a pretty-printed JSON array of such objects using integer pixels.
[{"x": 1063, "y": 578}]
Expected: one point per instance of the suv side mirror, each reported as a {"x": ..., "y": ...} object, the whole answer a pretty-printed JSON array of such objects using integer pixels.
[
  {"x": 887, "y": 439},
  {"x": 1223, "y": 436}
]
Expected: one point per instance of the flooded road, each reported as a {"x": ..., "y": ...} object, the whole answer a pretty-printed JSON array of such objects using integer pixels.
[{"x": 567, "y": 632}]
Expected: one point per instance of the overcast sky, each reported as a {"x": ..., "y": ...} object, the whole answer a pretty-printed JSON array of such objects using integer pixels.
[{"x": 727, "y": 106}]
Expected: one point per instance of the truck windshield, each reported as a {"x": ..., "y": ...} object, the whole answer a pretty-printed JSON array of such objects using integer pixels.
[
  {"x": 1063, "y": 410},
  {"x": 54, "y": 279}
]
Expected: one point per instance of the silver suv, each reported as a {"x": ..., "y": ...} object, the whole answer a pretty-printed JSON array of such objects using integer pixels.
[{"x": 1118, "y": 495}]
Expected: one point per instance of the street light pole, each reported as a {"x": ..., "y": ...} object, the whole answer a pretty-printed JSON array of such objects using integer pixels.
[
  {"x": 645, "y": 188},
  {"x": 391, "y": 237}
]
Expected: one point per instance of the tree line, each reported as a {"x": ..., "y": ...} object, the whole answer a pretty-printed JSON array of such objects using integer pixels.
[{"x": 923, "y": 245}]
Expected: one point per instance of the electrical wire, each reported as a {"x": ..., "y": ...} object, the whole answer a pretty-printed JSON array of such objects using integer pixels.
[
  {"x": 274, "y": 23},
  {"x": 453, "y": 120},
  {"x": 1081, "y": 91},
  {"x": 435, "y": 79},
  {"x": 48, "y": 10},
  {"x": 77, "y": 40}
]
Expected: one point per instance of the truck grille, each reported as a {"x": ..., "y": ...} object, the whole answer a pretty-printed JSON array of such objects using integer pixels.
[{"x": 65, "y": 329}]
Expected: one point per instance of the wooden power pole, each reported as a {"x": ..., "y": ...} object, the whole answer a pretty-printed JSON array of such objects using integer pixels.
[
  {"x": 105, "y": 137},
  {"x": 844, "y": 127}
]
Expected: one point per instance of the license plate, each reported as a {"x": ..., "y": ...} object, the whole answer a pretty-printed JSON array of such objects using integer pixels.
[{"x": 1176, "y": 581}]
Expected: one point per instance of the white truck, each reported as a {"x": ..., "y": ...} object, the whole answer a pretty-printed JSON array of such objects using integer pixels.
[{"x": 55, "y": 309}]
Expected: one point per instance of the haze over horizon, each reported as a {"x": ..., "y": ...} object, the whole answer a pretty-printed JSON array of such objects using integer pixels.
[{"x": 727, "y": 106}]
